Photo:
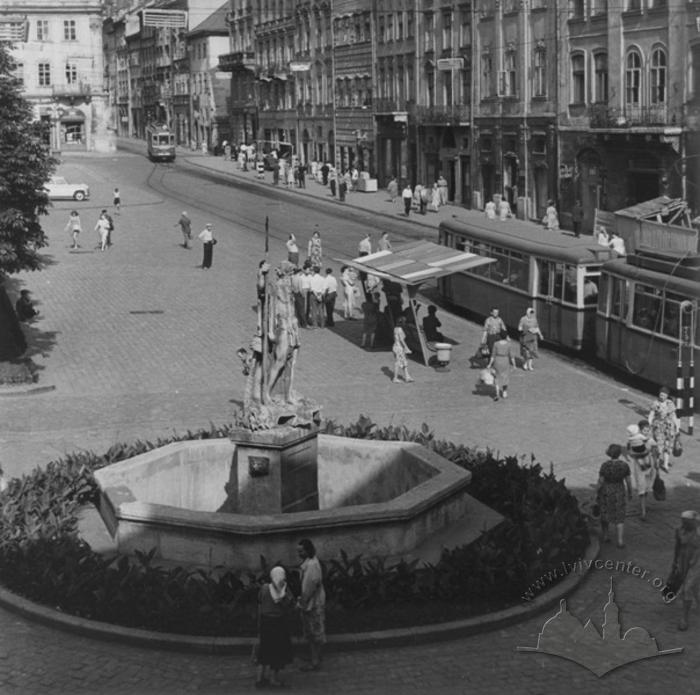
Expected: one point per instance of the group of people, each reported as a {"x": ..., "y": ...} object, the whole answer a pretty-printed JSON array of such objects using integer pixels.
[
  {"x": 206, "y": 236},
  {"x": 501, "y": 211},
  {"x": 496, "y": 346},
  {"x": 421, "y": 198},
  {"x": 104, "y": 227},
  {"x": 612, "y": 241},
  {"x": 276, "y": 608}
]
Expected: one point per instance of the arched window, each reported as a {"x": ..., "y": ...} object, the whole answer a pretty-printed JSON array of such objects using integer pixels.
[
  {"x": 633, "y": 78},
  {"x": 600, "y": 66},
  {"x": 578, "y": 79},
  {"x": 657, "y": 76}
]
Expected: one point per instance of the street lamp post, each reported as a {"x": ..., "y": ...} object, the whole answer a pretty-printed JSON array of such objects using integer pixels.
[{"x": 56, "y": 113}]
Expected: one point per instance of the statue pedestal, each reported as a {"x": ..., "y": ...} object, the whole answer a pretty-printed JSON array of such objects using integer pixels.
[{"x": 274, "y": 471}]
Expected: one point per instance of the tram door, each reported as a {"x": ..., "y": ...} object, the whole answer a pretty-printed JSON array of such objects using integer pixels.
[{"x": 549, "y": 313}]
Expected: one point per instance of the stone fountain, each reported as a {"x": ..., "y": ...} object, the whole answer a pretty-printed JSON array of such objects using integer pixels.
[{"x": 227, "y": 502}]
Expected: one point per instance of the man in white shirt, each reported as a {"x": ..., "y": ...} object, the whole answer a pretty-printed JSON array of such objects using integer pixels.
[
  {"x": 617, "y": 244},
  {"x": 329, "y": 296},
  {"x": 364, "y": 248},
  {"x": 407, "y": 196},
  {"x": 318, "y": 288}
]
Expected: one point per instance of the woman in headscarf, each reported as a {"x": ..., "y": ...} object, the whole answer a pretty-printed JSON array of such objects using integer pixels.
[
  {"x": 664, "y": 425},
  {"x": 529, "y": 331},
  {"x": 275, "y": 603}
]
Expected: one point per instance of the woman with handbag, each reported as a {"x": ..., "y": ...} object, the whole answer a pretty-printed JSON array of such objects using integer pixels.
[
  {"x": 274, "y": 649},
  {"x": 665, "y": 426},
  {"x": 613, "y": 480},
  {"x": 640, "y": 451},
  {"x": 529, "y": 333}
]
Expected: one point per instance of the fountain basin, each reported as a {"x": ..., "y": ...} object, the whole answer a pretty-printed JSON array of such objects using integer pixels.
[{"x": 375, "y": 498}]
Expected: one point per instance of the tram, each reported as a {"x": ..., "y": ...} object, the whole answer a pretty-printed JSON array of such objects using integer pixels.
[
  {"x": 557, "y": 275},
  {"x": 161, "y": 142},
  {"x": 646, "y": 321}
]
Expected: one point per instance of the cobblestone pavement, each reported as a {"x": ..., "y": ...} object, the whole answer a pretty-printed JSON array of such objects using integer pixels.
[{"x": 122, "y": 375}]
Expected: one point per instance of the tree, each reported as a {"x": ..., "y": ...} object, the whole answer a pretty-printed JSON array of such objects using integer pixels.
[{"x": 25, "y": 166}]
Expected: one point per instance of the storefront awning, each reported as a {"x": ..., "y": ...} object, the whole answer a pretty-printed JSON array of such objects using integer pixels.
[{"x": 417, "y": 262}]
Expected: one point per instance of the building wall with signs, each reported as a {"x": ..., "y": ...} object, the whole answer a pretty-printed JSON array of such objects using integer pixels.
[{"x": 60, "y": 65}]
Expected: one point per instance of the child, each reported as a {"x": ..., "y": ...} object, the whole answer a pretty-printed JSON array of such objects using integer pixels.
[
  {"x": 640, "y": 452},
  {"x": 117, "y": 201}
]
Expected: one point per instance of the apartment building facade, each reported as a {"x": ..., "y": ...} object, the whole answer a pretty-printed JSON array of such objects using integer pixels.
[{"x": 58, "y": 49}]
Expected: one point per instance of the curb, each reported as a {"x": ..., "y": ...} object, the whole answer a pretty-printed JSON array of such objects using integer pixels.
[
  {"x": 9, "y": 391},
  {"x": 350, "y": 641}
]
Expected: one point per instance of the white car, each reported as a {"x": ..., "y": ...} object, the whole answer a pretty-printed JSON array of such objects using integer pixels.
[{"x": 58, "y": 189}]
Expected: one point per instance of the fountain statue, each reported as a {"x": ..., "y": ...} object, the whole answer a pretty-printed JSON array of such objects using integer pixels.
[{"x": 269, "y": 399}]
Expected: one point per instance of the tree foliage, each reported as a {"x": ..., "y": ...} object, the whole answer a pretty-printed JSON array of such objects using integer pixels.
[{"x": 25, "y": 166}]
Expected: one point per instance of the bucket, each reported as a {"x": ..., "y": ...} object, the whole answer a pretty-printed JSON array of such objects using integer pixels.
[{"x": 444, "y": 350}]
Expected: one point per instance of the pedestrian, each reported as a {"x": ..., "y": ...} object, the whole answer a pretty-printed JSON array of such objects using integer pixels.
[
  {"x": 431, "y": 325},
  {"x": 665, "y": 425},
  {"x": 117, "y": 201},
  {"x": 501, "y": 361},
  {"x": 227, "y": 151},
  {"x": 259, "y": 168},
  {"x": 110, "y": 227},
  {"x": 292, "y": 250},
  {"x": 314, "y": 250},
  {"x": 274, "y": 648},
  {"x": 348, "y": 280},
  {"x": 617, "y": 244},
  {"x": 290, "y": 175},
  {"x": 333, "y": 180},
  {"x": 329, "y": 296},
  {"x": 393, "y": 190},
  {"x": 490, "y": 210},
  {"x": 442, "y": 189},
  {"x": 577, "y": 218},
  {"x": 504, "y": 211},
  {"x": 302, "y": 176},
  {"x": 74, "y": 227},
  {"x": 102, "y": 228},
  {"x": 306, "y": 292},
  {"x": 370, "y": 313},
  {"x": 364, "y": 248},
  {"x": 493, "y": 326},
  {"x": 312, "y": 603},
  {"x": 434, "y": 198},
  {"x": 602, "y": 236},
  {"x": 342, "y": 187},
  {"x": 299, "y": 297},
  {"x": 686, "y": 564},
  {"x": 316, "y": 296},
  {"x": 325, "y": 171},
  {"x": 529, "y": 330},
  {"x": 276, "y": 172},
  {"x": 24, "y": 307},
  {"x": 206, "y": 236},
  {"x": 407, "y": 196},
  {"x": 185, "y": 225},
  {"x": 354, "y": 176},
  {"x": 384, "y": 244},
  {"x": 401, "y": 351},
  {"x": 640, "y": 452},
  {"x": 551, "y": 218},
  {"x": 613, "y": 480}
]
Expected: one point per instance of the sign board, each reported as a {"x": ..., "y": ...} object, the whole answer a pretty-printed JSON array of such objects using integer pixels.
[
  {"x": 450, "y": 63},
  {"x": 400, "y": 118},
  {"x": 565, "y": 171},
  {"x": 299, "y": 67},
  {"x": 165, "y": 19}
]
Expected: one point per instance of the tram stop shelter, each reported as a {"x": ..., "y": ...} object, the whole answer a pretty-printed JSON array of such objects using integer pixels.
[{"x": 400, "y": 273}]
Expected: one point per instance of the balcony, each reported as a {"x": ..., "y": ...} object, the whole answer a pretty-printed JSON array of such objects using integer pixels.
[
  {"x": 455, "y": 114},
  {"x": 603, "y": 117},
  {"x": 71, "y": 89},
  {"x": 242, "y": 60},
  {"x": 388, "y": 105}
]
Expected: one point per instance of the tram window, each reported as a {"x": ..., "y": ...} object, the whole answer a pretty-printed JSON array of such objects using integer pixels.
[
  {"x": 482, "y": 250},
  {"x": 570, "y": 281},
  {"x": 672, "y": 311},
  {"x": 558, "y": 280},
  {"x": 590, "y": 289},
  {"x": 617, "y": 301},
  {"x": 518, "y": 271},
  {"x": 461, "y": 245},
  {"x": 449, "y": 240},
  {"x": 163, "y": 139},
  {"x": 646, "y": 310},
  {"x": 545, "y": 272}
]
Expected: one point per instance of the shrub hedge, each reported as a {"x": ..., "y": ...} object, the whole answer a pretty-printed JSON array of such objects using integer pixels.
[{"x": 43, "y": 558}]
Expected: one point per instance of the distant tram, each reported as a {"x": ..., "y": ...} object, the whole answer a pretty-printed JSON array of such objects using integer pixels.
[
  {"x": 161, "y": 143},
  {"x": 557, "y": 275},
  {"x": 647, "y": 312}
]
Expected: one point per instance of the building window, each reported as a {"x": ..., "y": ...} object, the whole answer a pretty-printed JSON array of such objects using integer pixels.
[
  {"x": 409, "y": 26},
  {"x": 390, "y": 27},
  {"x": 578, "y": 79},
  {"x": 577, "y": 9},
  {"x": 599, "y": 7},
  {"x": 429, "y": 32},
  {"x": 465, "y": 28},
  {"x": 600, "y": 61},
  {"x": 44, "y": 74},
  {"x": 19, "y": 73},
  {"x": 381, "y": 28},
  {"x": 658, "y": 76},
  {"x": 540, "y": 73},
  {"x": 69, "y": 30},
  {"x": 695, "y": 71},
  {"x": 633, "y": 5},
  {"x": 42, "y": 30},
  {"x": 633, "y": 78},
  {"x": 447, "y": 87},
  {"x": 399, "y": 27},
  {"x": 447, "y": 30},
  {"x": 486, "y": 75},
  {"x": 71, "y": 73},
  {"x": 508, "y": 77},
  {"x": 655, "y": 4}
]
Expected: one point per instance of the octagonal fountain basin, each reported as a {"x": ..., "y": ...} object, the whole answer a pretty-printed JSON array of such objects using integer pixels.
[{"x": 388, "y": 499}]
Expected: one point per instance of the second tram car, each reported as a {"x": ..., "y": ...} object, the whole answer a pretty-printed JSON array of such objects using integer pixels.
[
  {"x": 557, "y": 275},
  {"x": 161, "y": 143}
]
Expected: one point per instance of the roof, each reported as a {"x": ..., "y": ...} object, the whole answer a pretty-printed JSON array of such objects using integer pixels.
[
  {"x": 416, "y": 262},
  {"x": 215, "y": 24},
  {"x": 650, "y": 208},
  {"x": 529, "y": 238},
  {"x": 683, "y": 286}
]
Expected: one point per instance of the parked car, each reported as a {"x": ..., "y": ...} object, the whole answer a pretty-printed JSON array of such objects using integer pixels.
[{"x": 59, "y": 189}]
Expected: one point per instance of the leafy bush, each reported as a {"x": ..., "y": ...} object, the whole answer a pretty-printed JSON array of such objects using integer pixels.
[{"x": 43, "y": 558}]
